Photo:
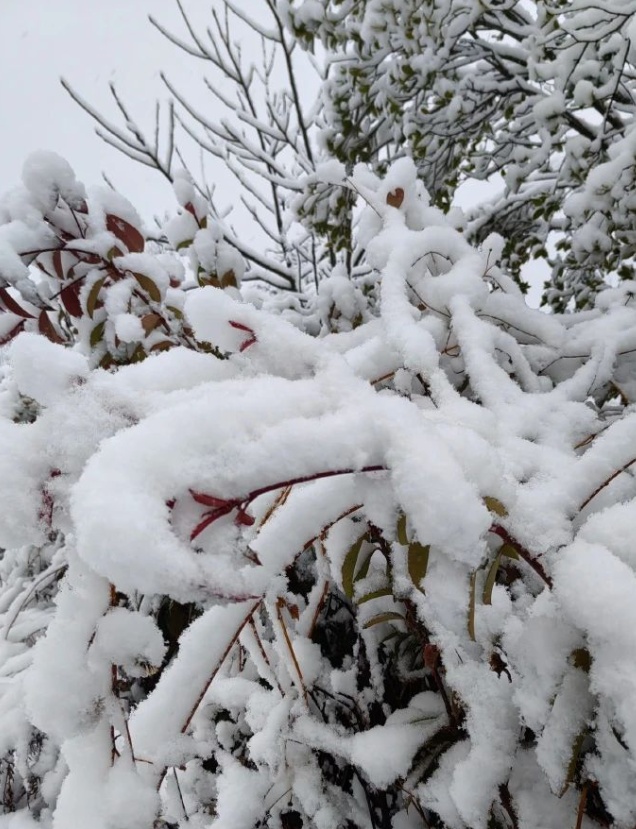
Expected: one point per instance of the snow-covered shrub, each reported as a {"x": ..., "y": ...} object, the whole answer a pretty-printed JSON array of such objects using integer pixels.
[{"x": 381, "y": 577}]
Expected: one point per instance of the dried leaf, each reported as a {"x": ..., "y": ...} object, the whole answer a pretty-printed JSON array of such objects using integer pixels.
[
  {"x": 582, "y": 659},
  {"x": 229, "y": 280},
  {"x": 395, "y": 198}
]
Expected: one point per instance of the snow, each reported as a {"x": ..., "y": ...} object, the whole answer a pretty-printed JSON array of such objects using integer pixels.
[{"x": 453, "y": 418}]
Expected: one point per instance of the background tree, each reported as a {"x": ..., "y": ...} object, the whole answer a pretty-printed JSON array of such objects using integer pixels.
[{"x": 537, "y": 95}]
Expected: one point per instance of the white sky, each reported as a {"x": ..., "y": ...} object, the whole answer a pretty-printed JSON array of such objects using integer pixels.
[{"x": 90, "y": 43}]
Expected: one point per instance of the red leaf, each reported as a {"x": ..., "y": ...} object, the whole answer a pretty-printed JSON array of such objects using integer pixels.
[
  {"x": 244, "y": 519},
  {"x": 211, "y": 500},
  {"x": 13, "y": 333},
  {"x": 88, "y": 257},
  {"x": 126, "y": 233},
  {"x": 241, "y": 327},
  {"x": 210, "y": 518},
  {"x": 12, "y": 306},
  {"x": 57, "y": 263},
  {"x": 47, "y": 328},
  {"x": 247, "y": 343},
  {"x": 70, "y": 298}
]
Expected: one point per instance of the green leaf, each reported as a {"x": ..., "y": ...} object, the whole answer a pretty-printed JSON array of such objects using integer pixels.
[
  {"x": 349, "y": 566},
  {"x": 93, "y": 296},
  {"x": 97, "y": 333},
  {"x": 175, "y": 312},
  {"x": 490, "y": 578},
  {"x": 364, "y": 567},
  {"x": 389, "y": 616},
  {"x": 494, "y": 505},
  {"x": 149, "y": 286},
  {"x": 577, "y": 747},
  {"x": 418, "y": 562},
  {"x": 375, "y": 594},
  {"x": 401, "y": 530},
  {"x": 509, "y": 551}
]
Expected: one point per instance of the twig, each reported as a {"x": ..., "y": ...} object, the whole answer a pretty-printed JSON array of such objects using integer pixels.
[
  {"x": 522, "y": 552},
  {"x": 605, "y": 483}
]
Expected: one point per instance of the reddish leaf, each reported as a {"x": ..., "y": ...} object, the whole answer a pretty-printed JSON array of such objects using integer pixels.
[
  {"x": 57, "y": 264},
  {"x": 70, "y": 298},
  {"x": 47, "y": 328},
  {"x": 190, "y": 208},
  {"x": 228, "y": 280},
  {"x": 395, "y": 198},
  {"x": 241, "y": 327},
  {"x": 211, "y": 500},
  {"x": 250, "y": 340},
  {"x": 243, "y": 519},
  {"x": 150, "y": 321},
  {"x": 13, "y": 333},
  {"x": 126, "y": 233},
  {"x": 149, "y": 286},
  {"x": 431, "y": 656},
  {"x": 12, "y": 306},
  {"x": 210, "y": 518},
  {"x": 88, "y": 257}
]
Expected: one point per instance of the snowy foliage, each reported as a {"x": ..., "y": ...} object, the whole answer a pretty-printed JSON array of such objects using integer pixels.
[
  {"x": 539, "y": 94},
  {"x": 362, "y": 563},
  {"x": 334, "y": 531},
  {"x": 536, "y": 98}
]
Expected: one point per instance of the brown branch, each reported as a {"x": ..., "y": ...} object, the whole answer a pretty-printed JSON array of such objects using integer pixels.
[
  {"x": 522, "y": 552},
  {"x": 605, "y": 483}
]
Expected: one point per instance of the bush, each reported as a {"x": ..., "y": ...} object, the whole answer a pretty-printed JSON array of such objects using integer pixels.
[{"x": 363, "y": 562}]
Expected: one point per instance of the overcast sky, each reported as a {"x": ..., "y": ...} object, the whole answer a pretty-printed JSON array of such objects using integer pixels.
[{"x": 90, "y": 44}]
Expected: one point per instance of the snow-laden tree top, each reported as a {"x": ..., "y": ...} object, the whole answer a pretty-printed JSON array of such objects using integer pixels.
[{"x": 367, "y": 563}]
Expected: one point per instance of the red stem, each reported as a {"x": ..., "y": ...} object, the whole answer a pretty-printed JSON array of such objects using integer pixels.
[
  {"x": 243, "y": 503},
  {"x": 522, "y": 552}
]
